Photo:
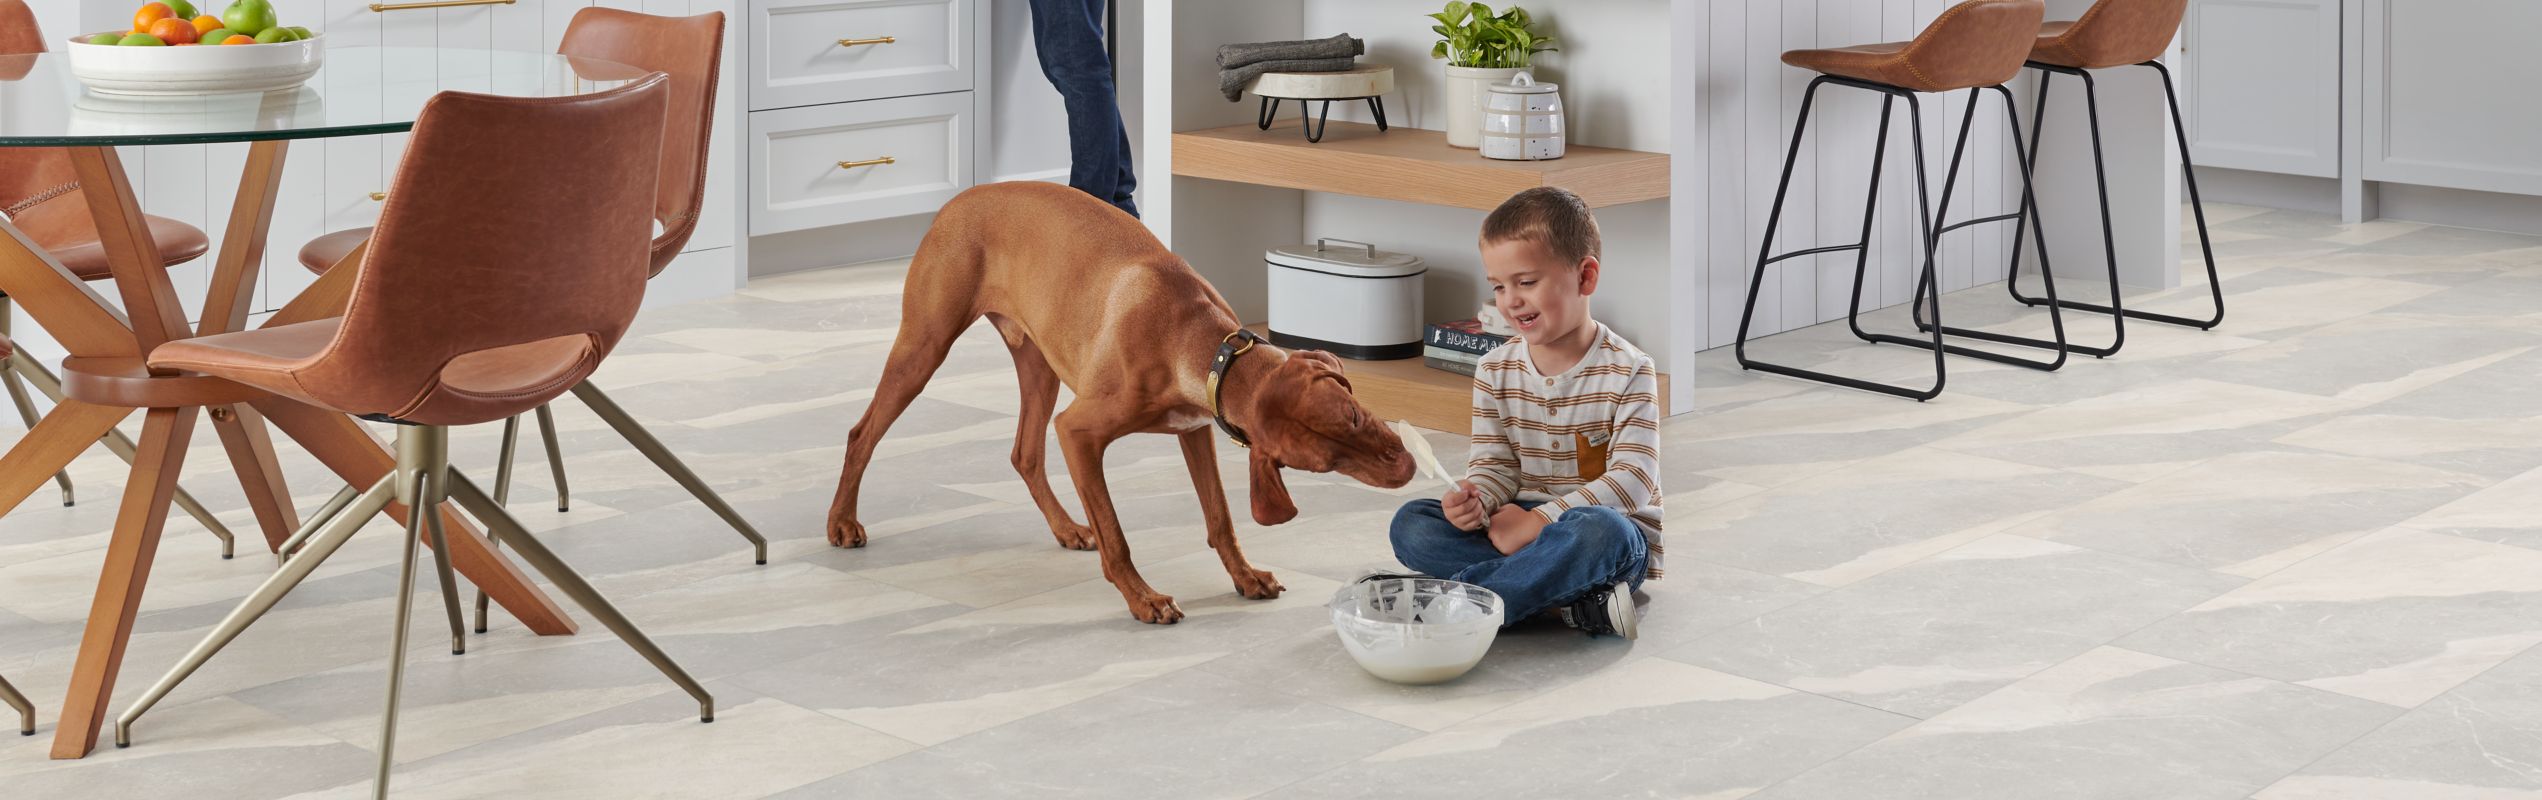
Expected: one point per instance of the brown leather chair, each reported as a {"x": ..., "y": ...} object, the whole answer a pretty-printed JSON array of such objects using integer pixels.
[
  {"x": 2114, "y": 34},
  {"x": 40, "y": 194},
  {"x": 509, "y": 260},
  {"x": 689, "y": 50},
  {"x": 1976, "y": 45}
]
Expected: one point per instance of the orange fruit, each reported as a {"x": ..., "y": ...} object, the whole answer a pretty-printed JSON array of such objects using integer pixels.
[
  {"x": 206, "y": 24},
  {"x": 174, "y": 31},
  {"x": 239, "y": 39},
  {"x": 150, "y": 14}
]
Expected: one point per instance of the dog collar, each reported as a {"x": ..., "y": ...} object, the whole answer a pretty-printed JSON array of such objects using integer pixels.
[{"x": 1228, "y": 349}]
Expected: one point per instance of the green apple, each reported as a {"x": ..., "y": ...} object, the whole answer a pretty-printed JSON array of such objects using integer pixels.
[
  {"x": 300, "y": 34},
  {"x": 183, "y": 9},
  {"x": 106, "y": 38},
  {"x": 273, "y": 35},
  {"x": 248, "y": 17},
  {"x": 216, "y": 36},
  {"x": 141, "y": 40}
]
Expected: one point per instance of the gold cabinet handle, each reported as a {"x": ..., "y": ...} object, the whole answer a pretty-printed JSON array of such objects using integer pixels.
[
  {"x": 857, "y": 42},
  {"x": 378, "y": 196},
  {"x": 380, "y": 7},
  {"x": 870, "y": 162}
]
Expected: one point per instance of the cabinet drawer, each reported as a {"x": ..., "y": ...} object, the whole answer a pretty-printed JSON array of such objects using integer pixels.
[
  {"x": 796, "y": 180},
  {"x": 796, "y": 58}
]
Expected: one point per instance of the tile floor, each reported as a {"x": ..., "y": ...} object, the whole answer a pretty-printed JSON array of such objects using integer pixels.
[{"x": 2294, "y": 558}]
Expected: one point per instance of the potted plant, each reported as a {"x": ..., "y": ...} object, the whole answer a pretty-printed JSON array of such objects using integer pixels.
[{"x": 1481, "y": 49}]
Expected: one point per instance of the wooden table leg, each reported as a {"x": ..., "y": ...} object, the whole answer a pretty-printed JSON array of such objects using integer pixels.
[
  {"x": 242, "y": 255},
  {"x": 164, "y": 433},
  {"x": 56, "y": 438},
  {"x": 251, "y": 453},
  {"x": 344, "y": 446}
]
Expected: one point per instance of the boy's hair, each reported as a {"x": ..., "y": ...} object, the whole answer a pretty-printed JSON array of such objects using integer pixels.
[{"x": 1547, "y": 215}]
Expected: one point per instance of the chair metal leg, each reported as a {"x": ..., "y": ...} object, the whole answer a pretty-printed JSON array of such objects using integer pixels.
[
  {"x": 309, "y": 527},
  {"x": 530, "y": 551},
  {"x": 503, "y": 463},
  {"x": 2056, "y": 319},
  {"x": 417, "y": 493},
  {"x": 337, "y": 531},
  {"x": 424, "y": 454},
  {"x": 26, "y": 710},
  {"x": 2197, "y": 209},
  {"x": 116, "y": 442},
  {"x": 1773, "y": 220},
  {"x": 555, "y": 454},
  {"x": 626, "y": 426}
]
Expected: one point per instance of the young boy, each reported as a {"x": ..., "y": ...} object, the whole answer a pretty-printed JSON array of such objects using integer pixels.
[{"x": 1560, "y": 508}]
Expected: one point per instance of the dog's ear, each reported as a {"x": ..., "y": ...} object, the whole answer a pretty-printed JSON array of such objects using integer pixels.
[
  {"x": 1331, "y": 364},
  {"x": 1271, "y": 504}
]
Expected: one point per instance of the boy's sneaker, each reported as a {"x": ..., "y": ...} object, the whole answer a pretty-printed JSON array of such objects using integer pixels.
[{"x": 1606, "y": 611}]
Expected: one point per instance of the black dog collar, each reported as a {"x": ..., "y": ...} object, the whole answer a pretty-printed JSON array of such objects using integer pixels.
[{"x": 1228, "y": 349}]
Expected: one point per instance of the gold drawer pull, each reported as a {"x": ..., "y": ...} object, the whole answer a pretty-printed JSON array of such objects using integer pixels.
[
  {"x": 857, "y": 42},
  {"x": 870, "y": 162},
  {"x": 378, "y": 196},
  {"x": 380, "y": 7}
]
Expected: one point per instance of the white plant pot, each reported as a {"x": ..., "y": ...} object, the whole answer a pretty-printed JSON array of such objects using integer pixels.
[{"x": 1468, "y": 87}]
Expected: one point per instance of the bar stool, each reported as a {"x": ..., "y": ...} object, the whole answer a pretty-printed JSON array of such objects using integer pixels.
[
  {"x": 689, "y": 50},
  {"x": 1975, "y": 45},
  {"x": 499, "y": 277},
  {"x": 39, "y": 194}
]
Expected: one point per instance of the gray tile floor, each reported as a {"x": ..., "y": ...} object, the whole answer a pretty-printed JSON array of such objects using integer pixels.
[{"x": 2293, "y": 558}]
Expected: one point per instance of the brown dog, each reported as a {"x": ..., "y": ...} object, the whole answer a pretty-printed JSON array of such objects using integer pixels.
[{"x": 1085, "y": 296}]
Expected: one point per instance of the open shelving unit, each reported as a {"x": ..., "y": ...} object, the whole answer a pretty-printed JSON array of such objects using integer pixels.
[{"x": 1411, "y": 165}]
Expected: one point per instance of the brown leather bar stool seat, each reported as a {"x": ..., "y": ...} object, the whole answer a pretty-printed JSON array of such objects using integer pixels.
[
  {"x": 1960, "y": 50},
  {"x": 2110, "y": 34},
  {"x": 63, "y": 227},
  {"x": 2114, "y": 34},
  {"x": 508, "y": 262},
  {"x": 689, "y": 51},
  {"x": 1976, "y": 45}
]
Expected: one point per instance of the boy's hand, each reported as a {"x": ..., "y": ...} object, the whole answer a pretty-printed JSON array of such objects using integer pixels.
[
  {"x": 1514, "y": 528},
  {"x": 1464, "y": 507}
]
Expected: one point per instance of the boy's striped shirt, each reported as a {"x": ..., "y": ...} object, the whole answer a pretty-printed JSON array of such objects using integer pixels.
[{"x": 1527, "y": 428}]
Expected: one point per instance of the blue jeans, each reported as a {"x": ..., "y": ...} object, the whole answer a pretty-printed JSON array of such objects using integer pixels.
[
  {"x": 1587, "y": 548},
  {"x": 1068, "y": 36}
]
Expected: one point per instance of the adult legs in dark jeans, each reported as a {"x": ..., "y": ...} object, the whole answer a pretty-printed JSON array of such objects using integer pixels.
[
  {"x": 1586, "y": 549},
  {"x": 1068, "y": 35}
]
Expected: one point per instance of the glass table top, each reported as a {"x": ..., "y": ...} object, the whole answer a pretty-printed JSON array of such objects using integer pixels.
[{"x": 357, "y": 91}]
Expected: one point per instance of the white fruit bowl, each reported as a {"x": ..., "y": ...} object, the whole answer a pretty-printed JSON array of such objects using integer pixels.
[
  {"x": 1416, "y": 630},
  {"x": 201, "y": 69}
]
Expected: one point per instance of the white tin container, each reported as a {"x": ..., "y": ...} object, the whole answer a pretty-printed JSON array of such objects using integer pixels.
[
  {"x": 1522, "y": 120},
  {"x": 1347, "y": 298}
]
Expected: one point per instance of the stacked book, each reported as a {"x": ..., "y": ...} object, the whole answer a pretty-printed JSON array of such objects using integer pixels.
[{"x": 1457, "y": 346}]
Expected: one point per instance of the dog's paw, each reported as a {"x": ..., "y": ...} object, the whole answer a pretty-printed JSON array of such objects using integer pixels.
[
  {"x": 1156, "y": 609},
  {"x": 1074, "y": 536},
  {"x": 847, "y": 533},
  {"x": 1257, "y": 584}
]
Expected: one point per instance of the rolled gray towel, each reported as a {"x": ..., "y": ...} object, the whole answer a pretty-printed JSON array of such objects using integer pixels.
[
  {"x": 1340, "y": 45},
  {"x": 1231, "y": 82}
]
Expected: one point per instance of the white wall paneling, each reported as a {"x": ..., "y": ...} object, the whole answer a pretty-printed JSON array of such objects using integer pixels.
[
  {"x": 2267, "y": 92},
  {"x": 2446, "y": 103}
]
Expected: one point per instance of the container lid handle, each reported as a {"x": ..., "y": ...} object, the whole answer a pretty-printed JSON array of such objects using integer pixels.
[{"x": 1372, "y": 249}]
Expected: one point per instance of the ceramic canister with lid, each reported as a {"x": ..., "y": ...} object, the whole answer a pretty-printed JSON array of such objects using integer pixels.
[
  {"x": 1522, "y": 120},
  {"x": 1346, "y": 298}
]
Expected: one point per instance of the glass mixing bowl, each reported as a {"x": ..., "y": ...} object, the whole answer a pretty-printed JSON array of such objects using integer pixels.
[{"x": 1416, "y": 630}]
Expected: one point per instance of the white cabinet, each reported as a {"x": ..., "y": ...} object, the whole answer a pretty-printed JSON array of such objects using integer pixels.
[
  {"x": 2263, "y": 89},
  {"x": 822, "y": 165},
  {"x": 2448, "y": 94},
  {"x": 863, "y": 109}
]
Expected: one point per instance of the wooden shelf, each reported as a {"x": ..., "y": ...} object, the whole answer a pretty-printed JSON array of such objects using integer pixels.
[
  {"x": 1408, "y": 390},
  {"x": 1412, "y": 165}
]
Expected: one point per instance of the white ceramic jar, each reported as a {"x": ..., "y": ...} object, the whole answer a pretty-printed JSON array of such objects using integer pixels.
[{"x": 1522, "y": 120}]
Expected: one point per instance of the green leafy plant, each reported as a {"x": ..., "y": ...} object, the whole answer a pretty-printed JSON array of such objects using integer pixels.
[{"x": 1475, "y": 37}]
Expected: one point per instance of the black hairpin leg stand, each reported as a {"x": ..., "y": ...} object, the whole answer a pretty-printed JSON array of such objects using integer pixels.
[{"x": 1315, "y": 124}]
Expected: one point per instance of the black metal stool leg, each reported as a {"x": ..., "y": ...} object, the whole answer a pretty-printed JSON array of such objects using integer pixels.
[
  {"x": 2056, "y": 320},
  {"x": 1270, "y": 108},
  {"x": 2197, "y": 209},
  {"x": 1773, "y": 220},
  {"x": 2109, "y": 234},
  {"x": 1314, "y": 128},
  {"x": 1377, "y": 106}
]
